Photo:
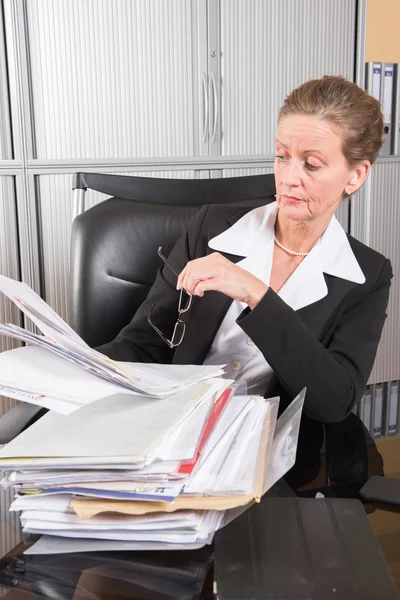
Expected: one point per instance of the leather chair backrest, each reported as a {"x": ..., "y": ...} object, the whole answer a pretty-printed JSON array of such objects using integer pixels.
[{"x": 114, "y": 245}]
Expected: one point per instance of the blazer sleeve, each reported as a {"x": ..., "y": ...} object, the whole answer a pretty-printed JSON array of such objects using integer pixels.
[
  {"x": 335, "y": 375},
  {"x": 138, "y": 342}
]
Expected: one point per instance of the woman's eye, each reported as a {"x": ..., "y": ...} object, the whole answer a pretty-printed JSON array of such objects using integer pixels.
[
  {"x": 280, "y": 157},
  {"x": 311, "y": 167}
]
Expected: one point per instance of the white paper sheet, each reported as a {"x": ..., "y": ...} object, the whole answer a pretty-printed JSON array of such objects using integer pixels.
[
  {"x": 188, "y": 518},
  {"x": 58, "y": 503},
  {"x": 116, "y": 426},
  {"x": 54, "y": 382},
  {"x": 57, "y": 545},
  {"x": 37, "y": 309}
]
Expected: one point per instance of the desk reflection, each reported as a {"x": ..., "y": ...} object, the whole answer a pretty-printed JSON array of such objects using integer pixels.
[{"x": 144, "y": 576}]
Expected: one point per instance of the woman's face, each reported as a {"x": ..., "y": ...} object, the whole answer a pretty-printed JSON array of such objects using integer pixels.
[{"x": 311, "y": 172}]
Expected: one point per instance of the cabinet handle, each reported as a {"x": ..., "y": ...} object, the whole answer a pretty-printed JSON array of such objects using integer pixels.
[
  {"x": 205, "y": 107},
  {"x": 214, "y": 130}
]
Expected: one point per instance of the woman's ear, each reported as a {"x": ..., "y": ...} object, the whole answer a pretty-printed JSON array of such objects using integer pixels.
[{"x": 357, "y": 177}]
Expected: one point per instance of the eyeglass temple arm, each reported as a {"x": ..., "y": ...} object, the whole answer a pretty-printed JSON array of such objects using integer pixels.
[{"x": 161, "y": 255}]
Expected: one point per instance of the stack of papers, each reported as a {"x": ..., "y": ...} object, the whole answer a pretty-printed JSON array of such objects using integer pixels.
[
  {"x": 62, "y": 373},
  {"x": 118, "y": 471},
  {"x": 130, "y": 456}
]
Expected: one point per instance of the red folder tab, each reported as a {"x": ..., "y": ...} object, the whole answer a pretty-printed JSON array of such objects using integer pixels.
[{"x": 218, "y": 407}]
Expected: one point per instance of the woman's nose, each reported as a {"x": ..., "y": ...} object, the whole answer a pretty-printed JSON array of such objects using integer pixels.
[{"x": 291, "y": 175}]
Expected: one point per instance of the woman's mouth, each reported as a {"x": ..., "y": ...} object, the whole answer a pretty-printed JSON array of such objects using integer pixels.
[{"x": 292, "y": 199}]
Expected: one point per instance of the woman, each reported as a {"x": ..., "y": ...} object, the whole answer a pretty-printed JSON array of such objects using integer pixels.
[{"x": 281, "y": 294}]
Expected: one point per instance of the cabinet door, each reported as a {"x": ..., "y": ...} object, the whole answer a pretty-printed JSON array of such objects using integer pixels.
[
  {"x": 5, "y": 122},
  {"x": 375, "y": 221},
  {"x": 267, "y": 48},
  {"x": 114, "y": 78},
  {"x": 9, "y": 266}
]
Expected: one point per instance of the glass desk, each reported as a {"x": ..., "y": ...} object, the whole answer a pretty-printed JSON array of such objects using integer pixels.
[
  {"x": 116, "y": 575},
  {"x": 107, "y": 575}
]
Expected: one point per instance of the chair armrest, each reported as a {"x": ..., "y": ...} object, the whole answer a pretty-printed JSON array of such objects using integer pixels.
[{"x": 17, "y": 419}]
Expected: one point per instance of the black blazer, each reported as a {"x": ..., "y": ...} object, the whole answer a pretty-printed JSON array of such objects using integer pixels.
[{"x": 328, "y": 346}]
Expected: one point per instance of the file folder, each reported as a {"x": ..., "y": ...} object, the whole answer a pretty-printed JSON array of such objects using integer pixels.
[
  {"x": 391, "y": 408},
  {"x": 366, "y": 409},
  {"x": 397, "y": 111},
  {"x": 373, "y": 79},
  {"x": 377, "y": 409},
  {"x": 387, "y": 92},
  {"x": 86, "y": 509}
]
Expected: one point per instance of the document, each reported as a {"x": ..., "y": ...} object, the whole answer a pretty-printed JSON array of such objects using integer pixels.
[
  {"x": 158, "y": 381},
  {"x": 181, "y": 520},
  {"x": 48, "y": 544},
  {"x": 40, "y": 313},
  {"x": 93, "y": 508},
  {"x": 120, "y": 490},
  {"x": 115, "y": 426}
]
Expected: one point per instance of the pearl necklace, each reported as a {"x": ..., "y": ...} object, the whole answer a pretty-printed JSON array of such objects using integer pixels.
[{"x": 292, "y": 252}]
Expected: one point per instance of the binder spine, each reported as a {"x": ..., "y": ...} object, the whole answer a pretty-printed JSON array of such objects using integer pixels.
[
  {"x": 387, "y": 101},
  {"x": 391, "y": 408},
  {"x": 373, "y": 79},
  {"x": 366, "y": 412},
  {"x": 360, "y": 408},
  {"x": 396, "y": 112},
  {"x": 377, "y": 409}
]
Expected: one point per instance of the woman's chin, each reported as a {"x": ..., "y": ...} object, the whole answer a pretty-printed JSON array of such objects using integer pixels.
[{"x": 294, "y": 210}]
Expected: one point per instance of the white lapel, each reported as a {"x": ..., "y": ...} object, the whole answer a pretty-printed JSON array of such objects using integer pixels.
[
  {"x": 245, "y": 236},
  {"x": 253, "y": 238}
]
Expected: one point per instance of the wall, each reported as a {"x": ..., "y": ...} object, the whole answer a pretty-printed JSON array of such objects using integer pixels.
[{"x": 383, "y": 34}]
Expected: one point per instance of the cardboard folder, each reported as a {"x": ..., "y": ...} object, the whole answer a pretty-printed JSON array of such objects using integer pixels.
[{"x": 86, "y": 509}]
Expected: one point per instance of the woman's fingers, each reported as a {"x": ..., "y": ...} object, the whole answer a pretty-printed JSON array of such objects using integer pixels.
[
  {"x": 198, "y": 270},
  {"x": 206, "y": 285},
  {"x": 215, "y": 272}
]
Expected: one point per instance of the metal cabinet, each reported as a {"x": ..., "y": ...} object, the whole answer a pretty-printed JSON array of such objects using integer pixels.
[
  {"x": 375, "y": 221},
  {"x": 264, "y": 49},
  {"x": 187, "y": 87},
  {"x": 126, "y": 79}
]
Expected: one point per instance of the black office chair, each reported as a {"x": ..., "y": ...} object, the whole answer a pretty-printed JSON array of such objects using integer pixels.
[{"x": 114, "y": 245}]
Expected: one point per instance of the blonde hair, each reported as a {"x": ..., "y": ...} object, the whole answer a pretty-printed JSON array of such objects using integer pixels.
[{"x": 347, "y": 106}]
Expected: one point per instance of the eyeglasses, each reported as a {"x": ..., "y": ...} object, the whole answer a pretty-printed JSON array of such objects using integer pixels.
[{"x": 184, "y": 304}]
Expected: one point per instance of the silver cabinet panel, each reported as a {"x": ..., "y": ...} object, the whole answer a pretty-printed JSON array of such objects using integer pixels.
[
  {"x": 376, "y": 222},
  {"x": 55, "y": 202},
  {"x": 5, "y": 122},
  {"x": 267, "y": 49},
  {"x": 9, "y": 266},
  {"x": 10, "y": 528},
  {"x": 245, "y": 172},
  {"x": 112, "y": 78}
]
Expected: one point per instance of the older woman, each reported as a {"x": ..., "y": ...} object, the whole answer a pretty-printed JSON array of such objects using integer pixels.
[{"x": 281, "y": 294}]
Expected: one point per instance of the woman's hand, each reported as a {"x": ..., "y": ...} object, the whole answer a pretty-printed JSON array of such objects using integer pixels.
[{"x": 217, "y": 273}]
